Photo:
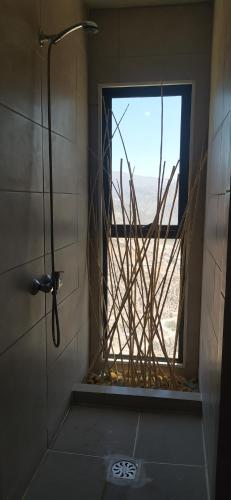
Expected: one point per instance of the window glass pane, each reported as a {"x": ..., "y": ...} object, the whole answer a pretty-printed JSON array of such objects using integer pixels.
[{"x": 141, "y": 131}]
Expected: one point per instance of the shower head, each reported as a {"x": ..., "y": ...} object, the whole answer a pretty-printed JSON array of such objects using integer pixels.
[
  {"x": 87, "y": 26},
  {"x": 90, "y": 27}
]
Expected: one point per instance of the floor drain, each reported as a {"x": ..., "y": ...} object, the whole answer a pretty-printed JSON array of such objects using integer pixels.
[{"x": 123, "y": 469}]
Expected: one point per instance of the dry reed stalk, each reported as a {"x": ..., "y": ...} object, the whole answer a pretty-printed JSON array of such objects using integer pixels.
[
  {"x": 143, "y": 367},
  {"x": 160, "y": 223},
  {"x": 110, "y": 292}
]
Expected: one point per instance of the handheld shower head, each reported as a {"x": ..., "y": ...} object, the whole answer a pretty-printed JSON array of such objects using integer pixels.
[
  {"x": 87, "y": 26},
  {"x": 90, "y": 27}
]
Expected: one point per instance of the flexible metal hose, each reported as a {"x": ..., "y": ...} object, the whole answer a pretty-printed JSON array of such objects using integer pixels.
[{"x": 55, "y": 314}]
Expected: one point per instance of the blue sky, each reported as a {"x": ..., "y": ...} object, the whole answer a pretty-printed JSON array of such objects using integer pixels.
[{"x": 140, "y": 128}]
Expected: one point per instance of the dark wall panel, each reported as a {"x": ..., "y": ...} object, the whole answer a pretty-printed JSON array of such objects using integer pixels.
[
  {"x": 36, "y": 379},
  {"x": 216, "y": 233}
]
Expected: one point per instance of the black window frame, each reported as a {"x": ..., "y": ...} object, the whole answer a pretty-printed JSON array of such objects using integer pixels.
[{"x": 109, "y": 93}]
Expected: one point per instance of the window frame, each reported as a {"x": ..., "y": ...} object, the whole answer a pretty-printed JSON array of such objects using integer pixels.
[{"x": 119, "y": 230}]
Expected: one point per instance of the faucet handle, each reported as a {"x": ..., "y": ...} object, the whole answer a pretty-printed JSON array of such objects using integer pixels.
[
  {"x": 44, "y": 284},
  {"x": 47, "y": 283}
]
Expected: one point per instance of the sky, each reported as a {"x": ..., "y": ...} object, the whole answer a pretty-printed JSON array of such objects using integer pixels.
[{"x": 140, "y": 129}]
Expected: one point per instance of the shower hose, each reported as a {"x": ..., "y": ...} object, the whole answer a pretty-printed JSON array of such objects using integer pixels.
[{"x": 55, "y": 282}]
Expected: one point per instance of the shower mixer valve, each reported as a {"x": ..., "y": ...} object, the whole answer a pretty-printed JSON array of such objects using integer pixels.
[{"x": 47, "y": 283}]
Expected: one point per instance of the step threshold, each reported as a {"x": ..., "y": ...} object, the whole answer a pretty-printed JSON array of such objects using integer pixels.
[{"x": 137, "y": 398}]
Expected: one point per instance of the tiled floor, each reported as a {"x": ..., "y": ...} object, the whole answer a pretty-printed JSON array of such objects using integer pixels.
[{"x": 167, "y": 447}]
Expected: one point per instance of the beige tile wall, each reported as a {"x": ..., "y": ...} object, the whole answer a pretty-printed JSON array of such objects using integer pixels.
[
  {"x": 216, "y": 231},
  {"x": 35, "y": 378},
  {"x": 149, "y": 45}
]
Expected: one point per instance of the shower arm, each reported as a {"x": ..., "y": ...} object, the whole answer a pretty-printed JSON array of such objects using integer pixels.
[{"x": 88, "y": 26}]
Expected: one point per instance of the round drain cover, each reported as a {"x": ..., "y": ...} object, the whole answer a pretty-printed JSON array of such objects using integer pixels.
[{"x": 123, "y": 469}]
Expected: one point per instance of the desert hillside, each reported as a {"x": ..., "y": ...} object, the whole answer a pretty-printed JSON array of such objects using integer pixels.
[{"x": 146, "y": 189}]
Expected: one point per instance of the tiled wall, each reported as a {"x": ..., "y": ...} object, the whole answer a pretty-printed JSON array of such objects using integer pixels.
[
  {"x": 216, "y": 230},
  {"x": 35, "y": 378},
  {"x": 149, "y": 45}
]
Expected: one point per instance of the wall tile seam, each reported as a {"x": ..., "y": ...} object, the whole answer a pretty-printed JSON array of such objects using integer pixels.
[
  {"x": 216, "y": 194},
  {"x": 119, "y": 44},
  {"x": 22, "y": 115},
  {"x": 206, "y": 461},
  {"x": 216, "y": 334},
  {"x": 18, "y": 266},
  {"x": 52, "y": 440},
  {"x": 51, "y": 364},
  {"x": 43, "y": 89},
  {"x": 44, "y": 243},
  {"x": 40, "y": 13},
  {"x": 213, "y": 402},
  {"x": 150, "y": 7},
  {"x": 212, "y": 405},
  {"x": 56, "y": 193},
  {"x": 37, "y": 468},
  {"x": 66, "y": 193},
  {"x": 58, "y": 134},
  {"x": 65, "y": 298},
  {"x": 44, "y": 106},
  {"x": 26, "y": 191},
  {"x": 213, "y": 258},
  {"x": 65, "y": 404},
  {"x": 23, "y": 191},
  {"x": 11, "y": 346},
  {"x": 218, "y": 129},
  {"x": 94, "y": 100},
  {"x": 222, "y": 193},
  {"x": 39, "y": 257},
  {"x": 204, "y": 392},
  {"x": 58, "y": 249},
  {"x": 76, "y": 83},
  {"x": 75, "y": 243},
  {"x": 40, "y": 53},
  {"x": 208, "y": 446},
  {"x": 98, "y": 55}
]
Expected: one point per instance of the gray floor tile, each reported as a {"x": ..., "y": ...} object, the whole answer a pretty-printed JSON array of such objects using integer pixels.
[
  {"x": 109, "y": 433},
  {"x": 170, "y": 438},
  {"x": 98, "y": 431},
  {"x": 113, "y": 492},
  {"x": 65, "y": 476},
  {"x": 162, "y": 482}
]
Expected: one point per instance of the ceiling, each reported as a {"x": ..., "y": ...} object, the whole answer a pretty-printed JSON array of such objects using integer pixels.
[{"x": 103, "y": 4}]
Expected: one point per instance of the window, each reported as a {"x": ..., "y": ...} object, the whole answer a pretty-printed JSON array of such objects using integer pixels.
[{"x": 140, "y": 127}]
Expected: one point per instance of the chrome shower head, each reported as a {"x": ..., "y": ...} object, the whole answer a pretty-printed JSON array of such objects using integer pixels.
[
  {"x": 87, "y": 26},
  {"x": 90, "y": 27}
]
